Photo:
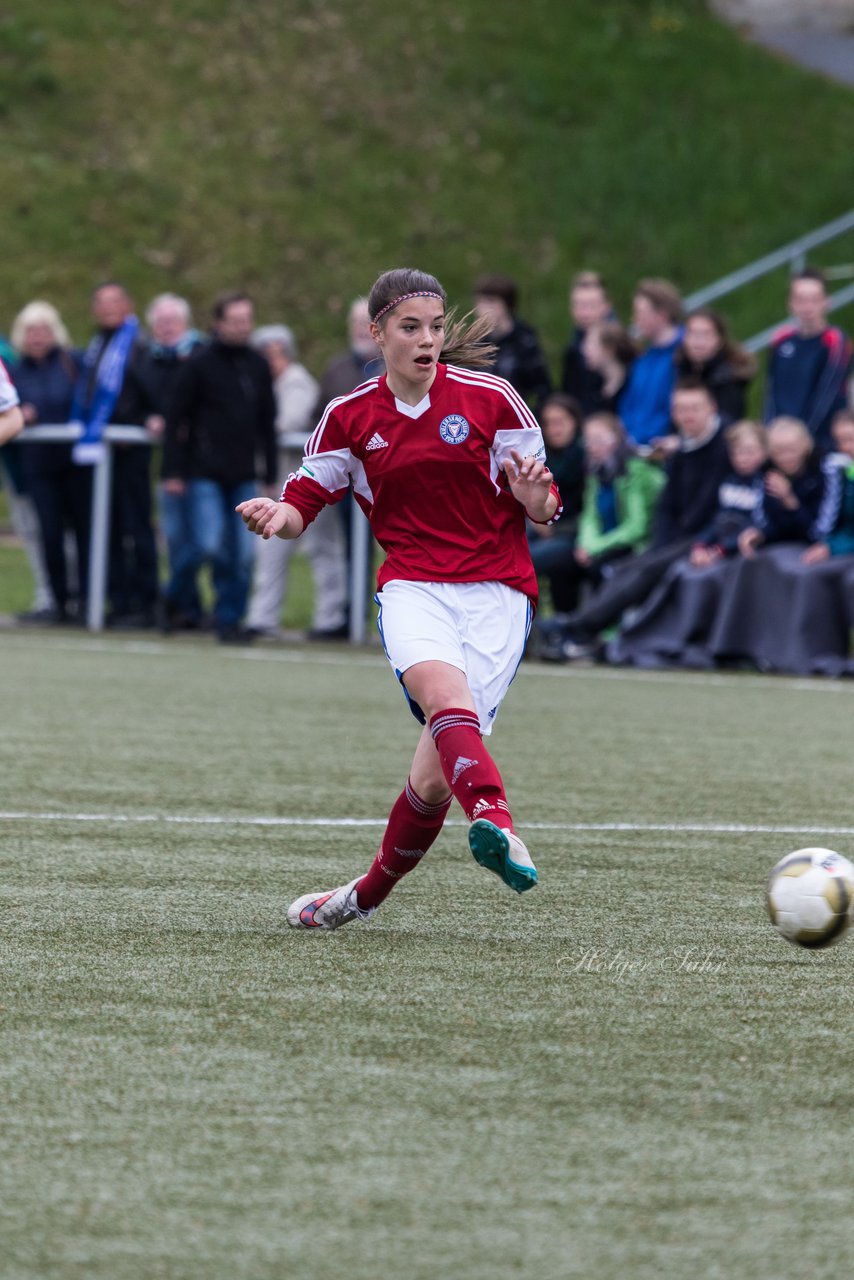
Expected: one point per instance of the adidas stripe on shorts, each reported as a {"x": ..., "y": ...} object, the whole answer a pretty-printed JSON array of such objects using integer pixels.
[{"x": 478, "y": 627}]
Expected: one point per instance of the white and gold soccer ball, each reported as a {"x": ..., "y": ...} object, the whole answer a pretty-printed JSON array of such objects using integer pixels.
[{"x": 810, "y": 897}]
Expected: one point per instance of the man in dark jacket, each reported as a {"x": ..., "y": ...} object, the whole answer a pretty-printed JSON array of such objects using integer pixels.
[
  {"x": 519, "y": 357},
  {"x": 220, "y": 422},
  {"x": 687, "y": 503}
]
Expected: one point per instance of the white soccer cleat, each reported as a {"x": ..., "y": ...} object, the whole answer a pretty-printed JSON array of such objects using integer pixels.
[{"x": 328, "y": 910}]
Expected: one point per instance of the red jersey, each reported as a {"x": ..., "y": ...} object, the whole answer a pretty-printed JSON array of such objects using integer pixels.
[
  {"x": 429, "y": 477},
  {"x": 8, "y": 394}
]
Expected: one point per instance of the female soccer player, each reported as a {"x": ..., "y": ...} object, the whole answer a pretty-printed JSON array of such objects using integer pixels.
[{"x": 445, "y": 462}]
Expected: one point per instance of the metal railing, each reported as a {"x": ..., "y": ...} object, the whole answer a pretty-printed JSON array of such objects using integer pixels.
[
  {"x": 102, "y": 493},
  {"x": 793, "y": 255},
  {"x": 759, "y": 341}
]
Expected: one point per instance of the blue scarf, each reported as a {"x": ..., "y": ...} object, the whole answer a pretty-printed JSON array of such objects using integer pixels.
[{"x": 108, "y": 383}]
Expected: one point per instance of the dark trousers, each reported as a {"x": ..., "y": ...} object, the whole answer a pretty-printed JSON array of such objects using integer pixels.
[
  {"x": 133, "y": 553},
  {"x": 62, "y": 496},
  {"x": 554, "y": 558},
  {"x": 218, "y": 537},
  {"x": 629, "y": 585}
]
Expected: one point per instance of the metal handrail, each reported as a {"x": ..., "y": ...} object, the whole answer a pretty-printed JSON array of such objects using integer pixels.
[
  {"x": 761, "y": 340},
  {"x": 794, "y": 253}
]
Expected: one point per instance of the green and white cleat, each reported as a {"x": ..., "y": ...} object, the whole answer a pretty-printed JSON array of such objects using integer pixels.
[{"x": 502, "y": 852}]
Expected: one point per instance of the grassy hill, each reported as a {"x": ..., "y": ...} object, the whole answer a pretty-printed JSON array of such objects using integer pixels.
[{"x": 298, "y": 147}]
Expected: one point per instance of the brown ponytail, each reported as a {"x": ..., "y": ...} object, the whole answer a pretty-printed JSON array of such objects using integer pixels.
[{"x": 466, "y": 341}]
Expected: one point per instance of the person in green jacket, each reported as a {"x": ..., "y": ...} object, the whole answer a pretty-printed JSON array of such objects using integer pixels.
[{"x": 620, "y": 495}]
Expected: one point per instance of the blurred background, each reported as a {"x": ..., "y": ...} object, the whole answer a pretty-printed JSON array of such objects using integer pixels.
[{"x": 297, "y": 148}]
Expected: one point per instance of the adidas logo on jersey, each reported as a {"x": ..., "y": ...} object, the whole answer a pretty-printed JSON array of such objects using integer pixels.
[
  {"x": 460, "y": 767},
  {"x": 376, "y": 442}
]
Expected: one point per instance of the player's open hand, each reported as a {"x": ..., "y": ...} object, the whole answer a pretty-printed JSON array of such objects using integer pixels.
[
  {"x": 530, "y": 483},
  {"x": 264, "y": 516}
]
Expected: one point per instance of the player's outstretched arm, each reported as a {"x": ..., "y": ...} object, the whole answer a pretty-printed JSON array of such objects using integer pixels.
[{"x": 268, "y": 518}]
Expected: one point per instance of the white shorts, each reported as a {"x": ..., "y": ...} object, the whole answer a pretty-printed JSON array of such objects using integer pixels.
[{"x": 478, "y": 627}]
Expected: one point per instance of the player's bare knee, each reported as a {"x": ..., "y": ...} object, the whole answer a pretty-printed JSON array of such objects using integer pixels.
[{"x": 432, "y": 791}]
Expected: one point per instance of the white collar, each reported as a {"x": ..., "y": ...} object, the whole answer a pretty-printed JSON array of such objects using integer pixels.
[
  {"x": 412, "y": 410},
  {"x": 691, "y": 446}
]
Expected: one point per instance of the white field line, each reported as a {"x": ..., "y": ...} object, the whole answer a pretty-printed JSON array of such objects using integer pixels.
[
  {"x": 224, "y": 820},
  {"x": 157, "y": 649}
]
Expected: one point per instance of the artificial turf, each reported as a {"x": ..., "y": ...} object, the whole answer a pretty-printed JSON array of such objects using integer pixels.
[{"x": 624, "y": 1072}]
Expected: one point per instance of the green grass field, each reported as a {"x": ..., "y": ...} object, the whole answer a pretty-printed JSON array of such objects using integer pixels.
[{"x": 625, "y": 1073}]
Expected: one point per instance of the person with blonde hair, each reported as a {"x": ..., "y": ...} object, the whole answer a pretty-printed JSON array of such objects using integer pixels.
[
  {"x": 802, "y": 491},
  {"x": 59, "y": 491},
  {"x": 783, "y": 604},
  {"x": 739, "y": 495},
  {"x": 43, "y": 314},
  {"x": 787, "y": 606}
]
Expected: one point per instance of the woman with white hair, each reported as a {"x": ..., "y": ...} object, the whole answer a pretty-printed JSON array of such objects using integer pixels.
[{"x": 60, "y": 491}]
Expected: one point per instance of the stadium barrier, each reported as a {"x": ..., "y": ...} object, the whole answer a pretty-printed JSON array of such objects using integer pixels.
[
  {"x": 102, "y": 492},
  {"x": 793, "y": 255}
]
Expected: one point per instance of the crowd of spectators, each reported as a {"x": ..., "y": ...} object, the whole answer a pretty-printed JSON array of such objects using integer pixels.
[
  {"x": 225, "y": 411},
  {"x": 685, "y": 524},
  {"x": 744, "y": 552}
]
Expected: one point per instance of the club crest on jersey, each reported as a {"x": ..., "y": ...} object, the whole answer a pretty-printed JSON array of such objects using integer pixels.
[{"x": 454, "y": 429}]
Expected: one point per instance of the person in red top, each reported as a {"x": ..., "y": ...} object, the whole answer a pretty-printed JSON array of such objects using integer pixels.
[
  {"x": 11, "y": 418},
  {"x": 446, "y": 462}
]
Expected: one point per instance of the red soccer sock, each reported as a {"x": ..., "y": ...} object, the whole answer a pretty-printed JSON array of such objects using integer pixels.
[
  {"x": 469, "y": 769},
  {"x": 413, "y": 825}
]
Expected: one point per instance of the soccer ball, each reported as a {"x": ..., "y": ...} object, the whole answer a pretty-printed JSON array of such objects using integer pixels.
[{"x": 810, "y": 897}]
